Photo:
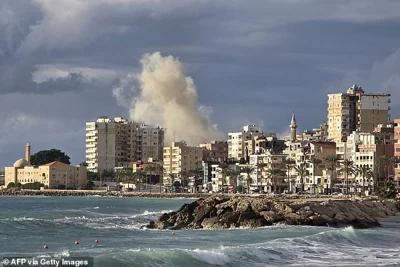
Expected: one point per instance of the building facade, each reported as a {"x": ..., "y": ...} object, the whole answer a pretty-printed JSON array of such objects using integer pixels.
[
  {"x": 54, "y": 175},
  {"x": 356, "y": 110},
  {"x": 236, "y": 141},
  {"x": 117, "y": 142},
  {"x": 397, "y": 149},
  {"x": 180, "y": 158},
  {"x": 216, "y": 151}
]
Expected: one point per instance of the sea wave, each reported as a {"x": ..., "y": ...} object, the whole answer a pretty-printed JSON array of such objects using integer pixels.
[
  {"x": 321, "y": 249},
  {"x": 90, "y": 220}
]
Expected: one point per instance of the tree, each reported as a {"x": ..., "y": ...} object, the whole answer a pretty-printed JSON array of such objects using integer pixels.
[
  {"x": 347, "y": 168},
  {"x": 234, "y": 174},
  {"x": 302, "y": 172},
  {"x": 289, "y": 165},
  {"x": 46, "y": 156},
  {"x": 274, "y": 173},
  {"x": 150, "y": 170},
  {"x": 381, "y": 163},
  {"x": 83, "y": 163},
  {"x": 248, "y": 171},
  {"x": 159, "y": 170},
  {"x": 316, "y": 163},
  {"x": 198, "y": 175},
  {"x": 364, "y": 171},
  {"x": 139, "y": 177},
  {"x": 11, "y": 185},
  {"x": 387, "y": 190},
  {"x": 332, "y": 163}
]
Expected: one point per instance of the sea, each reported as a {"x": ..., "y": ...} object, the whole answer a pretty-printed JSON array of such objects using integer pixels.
[{"x": 29, "y": 223}]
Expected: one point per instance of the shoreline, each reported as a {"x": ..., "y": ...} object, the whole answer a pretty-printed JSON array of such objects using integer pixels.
[{"x": 103, "y": 193}]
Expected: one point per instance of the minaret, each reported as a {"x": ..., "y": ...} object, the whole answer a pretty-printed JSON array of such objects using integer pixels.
[
  {"x": 28, "y": 153},
  {"x": 293, "y": 128}
]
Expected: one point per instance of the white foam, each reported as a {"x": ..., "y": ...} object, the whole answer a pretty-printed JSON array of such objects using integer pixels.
[{"x": 210, "y": 257}]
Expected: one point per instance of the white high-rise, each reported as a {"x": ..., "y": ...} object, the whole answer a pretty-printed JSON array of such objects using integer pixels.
[
  {"x": 236, "y": 141},
  {"x": 117, "y": 142}
]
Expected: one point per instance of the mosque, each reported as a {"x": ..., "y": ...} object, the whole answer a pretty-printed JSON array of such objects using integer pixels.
[{"x": 54, "y": 175}]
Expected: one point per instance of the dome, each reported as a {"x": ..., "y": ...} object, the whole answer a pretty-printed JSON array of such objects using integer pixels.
[{"x": 20, "y": 163}]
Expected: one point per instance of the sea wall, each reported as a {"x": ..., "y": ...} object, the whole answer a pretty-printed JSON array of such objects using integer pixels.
[
  {"x": 50, "y": 192},
  {"x": 219, "y": 212},
  {"x": 103, "y": 193}
]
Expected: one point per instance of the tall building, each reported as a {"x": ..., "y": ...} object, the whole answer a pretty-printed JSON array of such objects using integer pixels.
[
  {"x": 356, "y": 110},
  {"x": 179, "y": 158},
  {"x": 236, "y": 141},
  {"x": 117, "y": 142}
]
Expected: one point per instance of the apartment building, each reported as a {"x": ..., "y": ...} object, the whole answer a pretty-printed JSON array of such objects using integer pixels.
[
  {"x": 303, "y": 153},
  {"x": 216, "y": 151},
  {"x": 397, "y": 148},
  {"x": 356, "y": 110},
  {"x": 236, "y": 141},
  {"x": 365, "y": 149},
  {"x": 179, "y": 157},
  {"x": 118, "y": 142},
  {"x": 261, "y": 179}
]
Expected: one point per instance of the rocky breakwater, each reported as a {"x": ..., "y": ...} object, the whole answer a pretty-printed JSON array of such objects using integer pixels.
[{"x": 218, "y": 212}]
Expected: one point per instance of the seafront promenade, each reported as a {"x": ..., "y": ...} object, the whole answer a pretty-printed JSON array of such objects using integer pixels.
[{"x": 104, "y": 193}]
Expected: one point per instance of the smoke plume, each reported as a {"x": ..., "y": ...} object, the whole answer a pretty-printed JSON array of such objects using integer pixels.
[{"x": 162, "y": 95}]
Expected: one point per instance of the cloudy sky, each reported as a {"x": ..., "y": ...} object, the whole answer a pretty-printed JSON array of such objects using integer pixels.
[{"x": 252, "y": 61}]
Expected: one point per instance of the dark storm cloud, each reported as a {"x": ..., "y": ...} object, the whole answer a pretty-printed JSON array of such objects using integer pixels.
[{"x": 251, "y": 61}]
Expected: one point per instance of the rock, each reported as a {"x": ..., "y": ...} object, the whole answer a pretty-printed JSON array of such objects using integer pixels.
[
  {"x": 251, "y": 220},
  {"x": 150, "y": 225},
  {"x": 221, "y": 212}
]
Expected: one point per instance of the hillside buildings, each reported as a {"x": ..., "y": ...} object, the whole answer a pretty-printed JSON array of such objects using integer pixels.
[
  {"x": 54, "y": 175},
  {"x": 117, "y": 142},
  {"x": 356, "y": 110}
]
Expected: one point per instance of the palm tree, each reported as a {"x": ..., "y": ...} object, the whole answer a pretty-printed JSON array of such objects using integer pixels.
[
  {"x": 316, "y": 162},
  {"x": 331, "y": 163},
  {"x": 381, "y": 162},
  {"x": 347, "y": 168},
  {"x": 170, "y": 179},
  {"x": 274, "y": 173},
  {"x": 150, "y": 170},
  {"x": 159, "y": 170},
  {"x": 289, "y": 165},
  {"x": 364, "y": 171},
  {"x": 198, "y": 175},
  {"x": 235, "y": 175},
  {"x": 248, "y": 170},
  {"x": 139, "y": 176},
  {"x": 302, "y": 172}
]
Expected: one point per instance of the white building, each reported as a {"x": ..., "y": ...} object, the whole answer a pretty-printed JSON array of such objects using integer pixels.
[
  {"x": 236, "y": 141},
  {"x": 117, "y": 142}
]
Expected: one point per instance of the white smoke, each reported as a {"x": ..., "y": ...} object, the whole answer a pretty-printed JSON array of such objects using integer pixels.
[{"x": 162, "y": 95}]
